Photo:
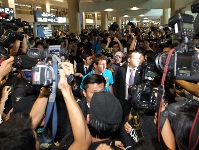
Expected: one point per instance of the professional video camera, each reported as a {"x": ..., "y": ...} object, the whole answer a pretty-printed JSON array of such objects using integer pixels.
[
  {"x": 184, "y": 63},
  {"x": 9, "y": 37},
  {"x": 14, "y": 24},
  {"x": 45, "y": 72},
  {"x": 23, "y": 24}
]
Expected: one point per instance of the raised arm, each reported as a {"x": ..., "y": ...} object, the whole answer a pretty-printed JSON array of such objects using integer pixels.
[
  {"x": 39, "y": 107},
  {"x": 166, "y": 131},
  {"x": 132, "y": 46},
  {"x": 190, "y": 87},
  {"x": 82, "y": 137}
]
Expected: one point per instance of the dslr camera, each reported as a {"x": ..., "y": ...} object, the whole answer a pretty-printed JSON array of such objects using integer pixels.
[
  {"x": 184, "y": 63},
  {"x": 143, "y": 96}
]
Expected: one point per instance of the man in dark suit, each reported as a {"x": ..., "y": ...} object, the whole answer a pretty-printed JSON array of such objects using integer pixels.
[
  {"x": 84, "y": 67},
  {"x": 127, "y": 75}
]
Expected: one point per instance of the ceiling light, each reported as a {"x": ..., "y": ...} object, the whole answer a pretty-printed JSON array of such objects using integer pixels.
[
  {"x": 145, "y": 18},
  {"x": 141, "y": 15},
  {"x": 126, "y": 16},
  {"x": 108, "y": 9},
  {"x": 134, "y": 8}
]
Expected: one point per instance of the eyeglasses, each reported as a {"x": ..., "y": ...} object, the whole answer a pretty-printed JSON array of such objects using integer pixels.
[{"x": 118, "y": 56}]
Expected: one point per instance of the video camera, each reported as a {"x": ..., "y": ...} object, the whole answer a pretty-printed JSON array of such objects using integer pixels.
[
  {"x": 22, "y": 24},
  {"x": 9, "y": 37},
  {"x": 14, "y": 24},
  {"x": 44, "y": 72}
]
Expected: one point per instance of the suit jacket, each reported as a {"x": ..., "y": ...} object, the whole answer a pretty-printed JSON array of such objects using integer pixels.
[
  {"x": 80, "y": 68},
  {"x": 120, "y": 82}
]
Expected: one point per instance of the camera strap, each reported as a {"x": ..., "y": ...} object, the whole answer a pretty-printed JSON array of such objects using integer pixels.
[
  {"x": 136, "y": 126},
  {"x": 194, "y": 137},
  {"x": 52, "y": 107},
  {"x": 160, "y": 96}
]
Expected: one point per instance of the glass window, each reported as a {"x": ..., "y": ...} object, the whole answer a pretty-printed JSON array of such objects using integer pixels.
[{"x": 23, "y": 8}]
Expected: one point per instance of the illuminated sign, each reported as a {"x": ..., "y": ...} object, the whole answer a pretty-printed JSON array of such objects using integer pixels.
[
  {"x": 8, "y": 11},
  {"x": 45, "y": 17},
  {"x": 44, "y": 32},
  {"x": 61, "y": 19}
]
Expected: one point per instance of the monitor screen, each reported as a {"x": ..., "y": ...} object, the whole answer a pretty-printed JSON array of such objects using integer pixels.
[
  {"x": 187, "y": 26},
  {"x": 184, "y": 61}
]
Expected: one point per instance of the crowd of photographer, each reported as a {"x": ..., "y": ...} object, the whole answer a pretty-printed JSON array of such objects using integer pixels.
[{"x": 104, "y": 89}]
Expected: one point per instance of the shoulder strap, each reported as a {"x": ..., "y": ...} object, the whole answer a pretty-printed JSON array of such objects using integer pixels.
[
  {"x": 52, "y": 107},
  {"x": 194, "y": 133},
  {"x": 135, "y": 124}
]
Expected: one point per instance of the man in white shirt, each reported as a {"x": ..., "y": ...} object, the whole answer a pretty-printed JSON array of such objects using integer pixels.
[{"x": 127, "y": 75}]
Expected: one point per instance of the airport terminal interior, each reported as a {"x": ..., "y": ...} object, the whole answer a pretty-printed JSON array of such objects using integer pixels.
[{"x": 99, "y": 75}]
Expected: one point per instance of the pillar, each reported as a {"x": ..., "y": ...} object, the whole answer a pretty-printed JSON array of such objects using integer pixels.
[
  {"x": 48, "y": 10},
  {"x": 173, "y": 9},
  {"x": 104, "y": 20},
  {"x": 96, "y": 20},
  {"x": 166, "y": 16},
  {"x": 47, "y": 7},
  {"x": 119, "y": 22},
  {"x": 10, "y": 4},
  {"x": 84, "y": 21},
  {"x": 74, "y": 17}
]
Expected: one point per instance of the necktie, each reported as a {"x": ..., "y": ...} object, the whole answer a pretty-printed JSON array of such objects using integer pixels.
[
  {"x": 85, "y": 70},
  {"x": 131, "y": 79}
]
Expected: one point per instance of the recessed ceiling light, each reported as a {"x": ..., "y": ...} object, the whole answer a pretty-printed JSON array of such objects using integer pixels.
[
  {"x": 145, "y": 18},
  {"x": 141, "y": 15},
  {"x": 108, "y": 9},
  {"x": 134, "y": 8}
]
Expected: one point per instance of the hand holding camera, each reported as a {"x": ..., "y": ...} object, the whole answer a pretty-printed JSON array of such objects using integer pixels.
[{"x": 66, "y": 76}]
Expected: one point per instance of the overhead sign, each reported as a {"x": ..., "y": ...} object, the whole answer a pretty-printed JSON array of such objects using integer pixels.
[
  {"x": 8, "y": 11},
  {"x": 61, "y": 19},
  {"x": 45, "y": 17},
  {"x": 44, "y": 32}
]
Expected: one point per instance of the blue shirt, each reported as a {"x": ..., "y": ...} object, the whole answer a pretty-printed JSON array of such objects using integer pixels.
[
  {"x": 107, "y": 74},
  {"x": 97, "y": 47}
]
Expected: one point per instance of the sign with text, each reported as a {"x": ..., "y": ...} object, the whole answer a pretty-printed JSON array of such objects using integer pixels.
[
  {"x": 61, "y": 19},
  {"x": 7, "y": 11},
  {"x": 45, "y": 17},
  {"x": 44, "y": 32}
]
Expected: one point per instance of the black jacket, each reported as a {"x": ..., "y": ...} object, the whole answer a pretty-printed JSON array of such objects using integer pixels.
[{"x": 120, "y": 82}]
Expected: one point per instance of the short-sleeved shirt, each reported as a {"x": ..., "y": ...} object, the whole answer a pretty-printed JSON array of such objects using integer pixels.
[{"x": 107, "y": 74}]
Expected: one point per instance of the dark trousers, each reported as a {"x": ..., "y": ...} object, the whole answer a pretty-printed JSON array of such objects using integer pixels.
[{"x": 126, "y": 108}]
